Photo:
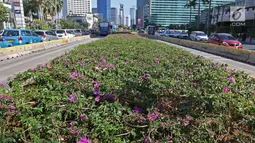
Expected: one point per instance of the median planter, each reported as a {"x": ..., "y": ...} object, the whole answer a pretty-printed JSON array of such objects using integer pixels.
[{"x": 128, "y": 89}]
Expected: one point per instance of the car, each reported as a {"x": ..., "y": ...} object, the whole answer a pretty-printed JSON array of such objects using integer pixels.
[
  {"x": 4, "y": 44},
  {"x": 21, "y": 36},
  {"x": 160, "y": 33},
  {"x": 176, "y": 34},
  {"x": 198, "y": 36},
  {"x": 77, "y": 32},
  {"x": 184, "y": 35},
  {"x": 225, "y": 39},
  {"x": 85, "y": 32},
  {"x": 63, "y": 34},
  {"x": 168, "y": 33},
  {"x": 47, "y": 35}
]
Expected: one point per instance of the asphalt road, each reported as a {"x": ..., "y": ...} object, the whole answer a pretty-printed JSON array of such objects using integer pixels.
[
  {"x": 249, "y": 47},
  {"x": 10, "y": 67}
]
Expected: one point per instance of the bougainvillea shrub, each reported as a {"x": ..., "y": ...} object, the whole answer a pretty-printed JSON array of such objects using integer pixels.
[{"x": 128, "y": 89}]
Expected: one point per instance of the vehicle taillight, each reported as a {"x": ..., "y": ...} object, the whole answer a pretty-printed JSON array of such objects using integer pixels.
[{"x": 44, "y": 36}]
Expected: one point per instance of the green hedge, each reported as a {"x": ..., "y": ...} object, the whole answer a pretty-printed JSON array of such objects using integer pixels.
[{"x": 128, "y": 89}]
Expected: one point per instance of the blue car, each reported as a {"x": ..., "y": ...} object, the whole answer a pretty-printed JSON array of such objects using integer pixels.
[
  {"x": 21, "y": 36},
  {"x": 4, "y": 44}
]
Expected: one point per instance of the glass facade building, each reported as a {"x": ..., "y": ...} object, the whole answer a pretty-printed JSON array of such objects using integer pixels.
[
  {"x": 166, "y": 12},
  {"x": 104, "y": 8}
]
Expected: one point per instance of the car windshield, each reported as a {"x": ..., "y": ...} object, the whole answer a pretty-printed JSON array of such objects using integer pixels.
[
  {"x": 11, "y": 33},
  {"x": 201, "y": 34},
  {"x": 227, "y": 37},
  {"x": 60, "y": 31},
  {"x": 77, "y": 31}
]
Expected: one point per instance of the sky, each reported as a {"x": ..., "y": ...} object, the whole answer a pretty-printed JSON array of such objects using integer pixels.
[{"x": 116, "y": 3}]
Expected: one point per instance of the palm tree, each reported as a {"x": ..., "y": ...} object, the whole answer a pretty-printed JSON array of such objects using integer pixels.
[
  {"x": 55, "y": 8},
  {"x": 209, "y": 14},
  {"x": 190, "y": 4}
]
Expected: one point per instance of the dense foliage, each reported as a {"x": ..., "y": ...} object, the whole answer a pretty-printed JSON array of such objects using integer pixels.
[
  {"x": 128, "y": 89},
  {"x": 4, "y": 13}
]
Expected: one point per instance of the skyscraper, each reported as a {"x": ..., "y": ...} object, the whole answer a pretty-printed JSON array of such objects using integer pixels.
[
  {"x": 166, "y": 12},
  {"x": 76, "y": 7},
  {"x": 104, "y": 8},
  {"x": 121, "y": 16},
  {"x": 94, "y": 10},
  {"x": 132, "y": 16},
  {"x": 127, "y": 20},
  {"x": 114, "y": 15},
  {"x": 139, "y": 15}
]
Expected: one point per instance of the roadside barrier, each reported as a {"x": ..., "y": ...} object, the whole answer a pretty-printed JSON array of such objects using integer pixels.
[
  {"x": 17, "y": 51},
  {"x": 246, "y": 56}
]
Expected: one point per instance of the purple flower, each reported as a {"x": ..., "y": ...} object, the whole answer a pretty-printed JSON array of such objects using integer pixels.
[
  {"x": 72, "y": 123},
  {"x": 8, "y": 98},
  {"x": 170, "y": 141},
  {"x": 103, "y": 60},
  {"x": 156, "y": 60},
  {"x": 116, "y": 58},
  {"x": 96, "y": 91},
  {"x": 126, "y": 63},
  {"x": 83, "y": 117},
  {"x": 1, "y": 96},
  {"x": 74, "y": 74},
  {"x": 112, "y": 65},
  {"x": 72, "y": 98},
  {"x": 146, "y": 76},
  {"x": 33, "y": 69},
  {"x": 231, "y": 79},
  {"x": 253, "y": 92},
  {"x": 195, "y": 84},
  {"x": 153, "y": 116},
  {"x": 188, "y": 117},
  {"x": 185, "y": 123},
  {"x": 11, "y": 107},
  {"x": 146, "y": 139},
  {"x": 138, "y": 110},
  {"x": 96, "y": 85},
  {"x": 1, "y": 84},
  {"x": 84, "y": 140},
  {"x": 226, "y": 89},
  {"x": 97, "y": 99}
]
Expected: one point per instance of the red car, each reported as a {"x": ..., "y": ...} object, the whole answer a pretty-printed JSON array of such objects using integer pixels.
[{"x": 225, "y": 39}]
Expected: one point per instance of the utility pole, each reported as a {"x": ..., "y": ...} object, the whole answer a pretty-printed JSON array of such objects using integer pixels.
[
  {"x": 218, "y": 18},
  {"x": 198, "y": 16},
  {"x": 209, "y": 17}
]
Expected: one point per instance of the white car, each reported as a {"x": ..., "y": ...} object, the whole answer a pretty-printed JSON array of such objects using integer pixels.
[
  {"x": 176, "y": 34},
  {"x": 160, "y": 33},
  {"x": 184, "y": 35},
  {"x": 64, "y": 34},
  {"x": 198, "y": 36}
]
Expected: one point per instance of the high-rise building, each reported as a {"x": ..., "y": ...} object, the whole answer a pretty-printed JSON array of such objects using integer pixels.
[
  {"x": 121, "y": 16},
  {"x": 17, "y": 8},
  {"x": 76, "y": 7},
  {"x": 139, "y": 14},
  {"x": 166, "y": 12},
  {"x": 114, "y": 15},
  {"x": 127, "y": 20},
  {"x": 104, "y": 8},
  {"x": 94, "y": 10},
  {"x": 132, "y": 16}
]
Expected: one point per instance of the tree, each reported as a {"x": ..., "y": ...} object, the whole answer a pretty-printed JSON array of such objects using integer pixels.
[
  {"x": 30, "y": 7},
  {"x": 4, "y": 12},
  {"x": 190, "y": 4}
]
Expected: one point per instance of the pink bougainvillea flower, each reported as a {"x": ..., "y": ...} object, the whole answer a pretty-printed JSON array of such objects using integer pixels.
[
  {"x": 95, "y": 91},
  {"x": 126, "y": 63},
  {"x": 253, "y": 92},
  {"x": 146, "y": 139},
  {"x": 156, "y": 60},
  {"x": 103, "y": 59},
  {"x": 1, "y": 96},
  {"x": 8, "y": 98},
  {"x": 84, "y": 140},
  {"x": 138, "y": 110},
  {"x": 33, "y": 69},
  {"x": 195, "y": 84},
  {"x": 12, "y": 107},
  {"x": 188, "y": 117},
  {"x": 74, "y": 74},
  {"x": 1, "y": 84},
  {"x": 231, "y": 79},
  {"x": 116, "y": 58},
  {"x": 83, "y": 117},
  {"x": 146, "y": 76},
  {"x": 72, "y": 98},
  {"x": 226, "y": 89},
  {"x": 97, "y": 99},
  {"x": 96, "y": 84},
  {"x": 185, "y": 123},
  {"x": 153, "y": 116}
]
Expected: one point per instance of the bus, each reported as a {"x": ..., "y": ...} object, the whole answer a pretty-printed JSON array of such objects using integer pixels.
[
  {"x": 151, "y": 29},
  {"x": 105, "y": 28}
]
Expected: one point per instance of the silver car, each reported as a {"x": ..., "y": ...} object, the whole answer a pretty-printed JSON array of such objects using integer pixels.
[{"x": 47, "y": 35}]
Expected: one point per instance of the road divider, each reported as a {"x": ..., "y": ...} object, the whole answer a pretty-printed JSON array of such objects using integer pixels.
[
  {"x": 17, "y": 51},
  {"x": 246, "y": 56}
]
